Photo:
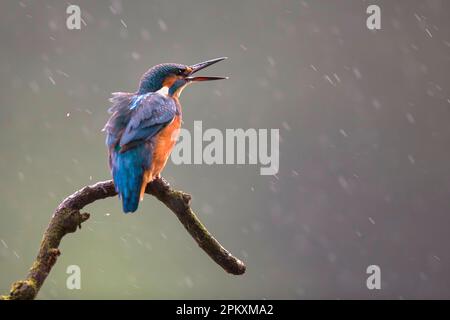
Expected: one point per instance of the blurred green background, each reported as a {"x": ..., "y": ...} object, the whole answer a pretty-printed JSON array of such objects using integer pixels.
[{"x": 364, "y": 157}]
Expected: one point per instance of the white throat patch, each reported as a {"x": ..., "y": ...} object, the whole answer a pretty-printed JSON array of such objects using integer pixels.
[{"x": 164, "y": 91}]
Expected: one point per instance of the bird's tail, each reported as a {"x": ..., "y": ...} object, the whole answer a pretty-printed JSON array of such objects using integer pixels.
[{"x": 128, "y": 171}]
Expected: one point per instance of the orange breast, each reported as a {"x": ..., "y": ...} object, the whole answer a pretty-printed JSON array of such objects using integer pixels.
[{"x": 164, "y": 143}]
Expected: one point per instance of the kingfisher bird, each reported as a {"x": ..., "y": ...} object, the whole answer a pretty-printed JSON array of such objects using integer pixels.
[{"x": 144, "y": 127}]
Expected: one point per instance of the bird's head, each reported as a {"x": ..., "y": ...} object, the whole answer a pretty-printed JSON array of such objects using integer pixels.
[{"x": 174, "y": 77}]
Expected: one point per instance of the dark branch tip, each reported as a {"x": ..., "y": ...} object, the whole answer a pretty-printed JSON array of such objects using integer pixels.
[{"x": 240, "y": 267}]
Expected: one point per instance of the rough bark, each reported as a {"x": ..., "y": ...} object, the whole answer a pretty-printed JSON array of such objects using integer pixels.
[{"x": 67, "y": 218}]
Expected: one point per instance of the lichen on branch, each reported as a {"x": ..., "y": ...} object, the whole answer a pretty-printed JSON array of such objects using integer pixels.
[{"x": 67, "y": 218}]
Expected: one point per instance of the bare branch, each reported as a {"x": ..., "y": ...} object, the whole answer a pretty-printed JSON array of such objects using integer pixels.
[{"x": 67, "y": 218}]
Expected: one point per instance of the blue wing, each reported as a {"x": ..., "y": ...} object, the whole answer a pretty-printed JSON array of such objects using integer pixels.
[
  {"x": 135, "y": 120},
  {"x": 152, "y": 113},
  {"x": 120, "y": 117}
]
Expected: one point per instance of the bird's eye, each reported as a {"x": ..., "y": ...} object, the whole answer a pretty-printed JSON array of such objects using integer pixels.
[{"x": 180, "y": 72}]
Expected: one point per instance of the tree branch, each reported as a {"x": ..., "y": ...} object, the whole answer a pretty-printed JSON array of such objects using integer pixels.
[{"x": 67, "y": 218}]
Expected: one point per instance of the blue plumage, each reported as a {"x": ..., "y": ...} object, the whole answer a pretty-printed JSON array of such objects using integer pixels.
[
  {"x": 153, "y": 112},
  {"x": 152, "y": 80},
  {"x": 136, "y": 119},
  {"x": 127, "y": 171}
]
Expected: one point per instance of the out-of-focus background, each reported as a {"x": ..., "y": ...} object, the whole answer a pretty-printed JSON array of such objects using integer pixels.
[{"x": 364, "y": 158}]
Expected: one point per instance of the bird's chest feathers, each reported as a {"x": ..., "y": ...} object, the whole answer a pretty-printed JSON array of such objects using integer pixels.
[
  {"x": 165, "y": 141},
  {"x": 170, "y": 133}
]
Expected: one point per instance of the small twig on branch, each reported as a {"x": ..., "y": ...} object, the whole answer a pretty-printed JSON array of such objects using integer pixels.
[{"x": 67, "y": 218}]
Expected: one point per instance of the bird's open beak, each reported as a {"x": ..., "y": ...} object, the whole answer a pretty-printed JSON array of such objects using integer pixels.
[{"x": 202, "y": 65}]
